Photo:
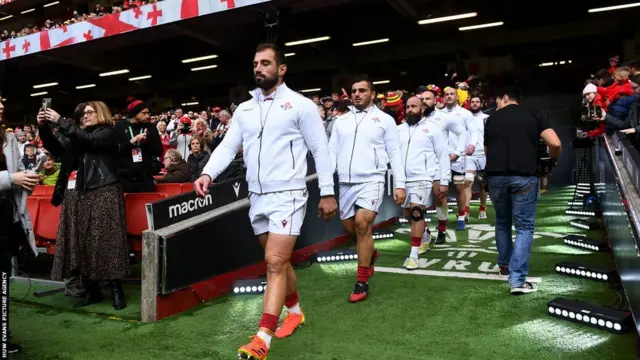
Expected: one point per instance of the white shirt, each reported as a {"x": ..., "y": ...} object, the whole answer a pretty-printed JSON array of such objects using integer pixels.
[
  {"x": 276, "y": 133},
  {"x": 477, "y": 124},
  {"x": 424, "y": 149},
  {"x": 361, "y": 145},
  {"x": 456, "y": 124}
]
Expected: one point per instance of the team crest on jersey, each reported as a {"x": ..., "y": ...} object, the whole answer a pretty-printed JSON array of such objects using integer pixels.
[
  {"x": 286, "y": 106},
  {"x": 284, "y": 223},
  {"x": 375, "y": 119},
  {"x": 426, "y": 131}
]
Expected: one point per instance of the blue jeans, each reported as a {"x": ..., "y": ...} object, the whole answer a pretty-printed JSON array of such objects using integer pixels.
[{"x": 514, "y": 196}]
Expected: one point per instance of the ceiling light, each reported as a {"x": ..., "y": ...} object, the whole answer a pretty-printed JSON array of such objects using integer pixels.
[
  {"x": 307, "y": 41},
  {"x": 447, "y": 18},
  {"x": 289, "y": 54},
  {"x": 204, "y": 68},
  {"x": 190, "y": 103},
  {"x": 39, "y": 94},
  {"x": 45, "y": 85},
  {"x": 117, "y": 72},
  {"x": 140, "y": 78},
  {"x": 481, "y": 26},
  {"x": 28, "y": 11},
  {"x": 85, "y": 86},
  {"x": 371, "y": 42},
  {"x": 51, "y": 4},
  {"x": 381, "y": 82},
  {"x": 615, "y": 7},
  {"x": 547, "y": 64},
  {"x": 6, "y": 17},
  {"x": 310, "y": 90},
  {"x": 201, "y": 58}
]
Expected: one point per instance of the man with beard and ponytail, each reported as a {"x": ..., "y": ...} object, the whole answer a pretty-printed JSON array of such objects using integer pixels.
[
  {"x": 362, "y": 143},
  {"x": 477, "y": 161},
  {"x": 276, "y": 129},
  {"x": 452, "y": 127},
  {"x": 424, "y": 148},
  {"x": 461, "y": 145}
]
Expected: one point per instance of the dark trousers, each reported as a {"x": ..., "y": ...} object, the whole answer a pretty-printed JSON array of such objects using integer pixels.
[{"x": 145, "y": 185}]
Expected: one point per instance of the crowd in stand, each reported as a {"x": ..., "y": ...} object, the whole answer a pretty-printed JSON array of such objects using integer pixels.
[{"x": 73, "y": 17}]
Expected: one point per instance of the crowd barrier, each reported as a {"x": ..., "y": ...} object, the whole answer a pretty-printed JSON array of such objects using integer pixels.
[
  {"x": 619, "y": 170},
  {"x": 197, "y": 248}
]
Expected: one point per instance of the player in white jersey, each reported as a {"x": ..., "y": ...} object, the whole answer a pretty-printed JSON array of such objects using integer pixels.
[
  {"x": 477, "y": 161},
  {"x": 424, "y": 149},
  {"x": 362, "y": 142},
  {"x": 460, "y": 146},
  {"x": 452, "y": 126},
  {"x": 276, "y": 128}
]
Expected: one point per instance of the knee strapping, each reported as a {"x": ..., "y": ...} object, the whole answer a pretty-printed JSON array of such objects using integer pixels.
[
  {"x": 417, "y": 214},
  {"x": 469, "y": 177},
  {"x": 441, "y": 212}
]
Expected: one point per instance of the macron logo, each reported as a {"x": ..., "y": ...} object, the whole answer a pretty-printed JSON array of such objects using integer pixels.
[
  {"x": 188, "y": 206},
  {"x": 236, "y": 188}
]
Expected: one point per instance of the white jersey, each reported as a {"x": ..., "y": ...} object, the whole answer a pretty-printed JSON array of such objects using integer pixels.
[
  {"x": 477, "y": 124},
  {"x": 456, "y": 123},
  {"x": 425, "y": 151},
  {"x": 361, "y": 145},
  {"x": 276, "y": 133}
]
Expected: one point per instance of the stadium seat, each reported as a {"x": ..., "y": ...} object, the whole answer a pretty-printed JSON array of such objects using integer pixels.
[
  {"x": 48, "y": 220},
  {"x": 39, "y": 190},
  {"x": 135, "y": 209},
  {"x": 169, "y": 189},
  {"x": 187, "y": 187},
  {"x": 49, "y": 189}
]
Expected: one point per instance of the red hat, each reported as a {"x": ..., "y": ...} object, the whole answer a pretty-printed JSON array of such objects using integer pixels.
[
  {"x": 217, "y": 108},
  {"x": 185, "y": 120},
  {"x": 135, "y": 107}
]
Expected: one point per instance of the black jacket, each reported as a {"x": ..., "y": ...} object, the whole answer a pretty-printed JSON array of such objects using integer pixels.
[
  {"x": 198, "y": 162},
  {"x": 151, "y": 150},
  {"x": 92, "y": 152},
  {"x": 177, "y": 173}
]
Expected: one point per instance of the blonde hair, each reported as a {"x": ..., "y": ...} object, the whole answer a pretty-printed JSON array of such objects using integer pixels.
[
  {"x": 103, "y": 113},
  {"x": 158, "y": 125},
  {"x": 174, "y": 155},
  {"x": 200, "y": 121}
]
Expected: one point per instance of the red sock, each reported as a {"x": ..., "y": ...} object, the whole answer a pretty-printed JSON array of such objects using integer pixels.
[
  {"x": 466, "y": 209},
  {"x": 291, "y": 300},
  {"x": 442, "y": 225},
  {"x": 363, "y": 274},
  {"x": 416, "y": 241},
  {"x": 269, "y": 321},
  {"x": 483, "y": 208},
  {"x": 461, "y": 212}
]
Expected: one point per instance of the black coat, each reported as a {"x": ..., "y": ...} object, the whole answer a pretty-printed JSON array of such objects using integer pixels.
[
  {"x": 151, "y": 150},
  {"x": 92, "y": 152},
  {"x": 198, "y": 162}
]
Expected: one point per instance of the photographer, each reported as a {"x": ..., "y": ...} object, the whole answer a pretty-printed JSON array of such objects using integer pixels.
[
  {"x": 181, "y": 138},
  {"x": 139, "y": 147},
  {"x": 15, "y": 222}
]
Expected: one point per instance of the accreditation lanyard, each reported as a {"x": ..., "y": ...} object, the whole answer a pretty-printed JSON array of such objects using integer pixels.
[{"x": 131, "y": 132}]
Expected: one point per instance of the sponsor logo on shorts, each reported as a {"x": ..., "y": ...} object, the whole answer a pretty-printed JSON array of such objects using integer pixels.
[
  {"x": 373, "y": 202},
  {"x": 341, "y": 213},
  {"x": 284, "y": 223}
]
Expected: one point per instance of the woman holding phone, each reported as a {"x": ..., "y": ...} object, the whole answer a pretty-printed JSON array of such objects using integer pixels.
[
  {"x": 92, "y": 239},
  {"x": 15, "y": 222}
]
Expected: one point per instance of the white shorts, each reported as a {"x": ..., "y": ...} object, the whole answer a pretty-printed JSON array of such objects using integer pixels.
[
  {"x": 459, "y": 165},
  {"x": 366, "y": 195},
  {"x": 279, "y": 213},
  {"x": 418, "y": 192},
  {"x": 476, "y": 163}
]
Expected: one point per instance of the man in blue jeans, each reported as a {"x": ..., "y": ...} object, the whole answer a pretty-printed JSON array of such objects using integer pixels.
[{"x": 511, "y": 140}]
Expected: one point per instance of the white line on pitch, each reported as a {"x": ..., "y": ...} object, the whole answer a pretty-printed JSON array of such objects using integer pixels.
[{"x": 479, "y": 276}]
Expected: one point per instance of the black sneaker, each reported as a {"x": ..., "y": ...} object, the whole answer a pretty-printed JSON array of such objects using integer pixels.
[
  {"x": 503, "y": 270},
  {"x": 441, "y": 239},
  {"x": 13, "y": 348},
  {"x": 527, "y": 288},
  {"x": 359, "y": 292}
]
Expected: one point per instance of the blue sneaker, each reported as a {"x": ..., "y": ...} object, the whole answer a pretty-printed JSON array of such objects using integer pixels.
[{"x": 460, "y": 225}]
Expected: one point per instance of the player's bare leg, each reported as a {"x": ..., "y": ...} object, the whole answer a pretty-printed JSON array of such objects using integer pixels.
[
  {"x": 469, "y": 179},
  {"x": 367, "y": 255},
  {"x": 461, "y": 202},
  {"x": 442, "y": 211},
  {"x": 417, "y": 231}
]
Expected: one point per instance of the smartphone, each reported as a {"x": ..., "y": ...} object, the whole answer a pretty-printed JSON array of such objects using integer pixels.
[{"x": 46, "y": 104}]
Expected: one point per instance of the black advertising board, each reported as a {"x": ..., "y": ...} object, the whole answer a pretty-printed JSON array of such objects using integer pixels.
[{"x": 227, "y": 243}]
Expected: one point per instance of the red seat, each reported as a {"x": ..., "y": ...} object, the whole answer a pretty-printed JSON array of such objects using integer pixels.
[
  {"x": 48, "y": 220},
  {"x": 169, "y": 189},
  {"x": 39, "y": 190},
  {"x": 187, "y": 187},
  {"x": 49, "y": 189},
  {"x": 136, "y": 212}
]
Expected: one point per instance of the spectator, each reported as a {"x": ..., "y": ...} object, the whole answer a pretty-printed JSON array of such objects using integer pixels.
[
  {"x": 181, "y": 138},
  {"x": 512, "y": 181},
  {"x": 322, "y": 112},
  {"x": 221, "y": 130},
  {"x": 50, "y": 171},
  {"x": 164, "y": 137},
  {"x": 29, "y": 160},
  {"x": 175, "y": 117},
  {"x": 15, "y": 222},
  {"x": 198, "y": 158},
  {"x": 178, "y": 171},
  {"x": 22, "y": 141},
  {"x": 139, "y": 146},
  {"x": 89, "y": 169}
]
